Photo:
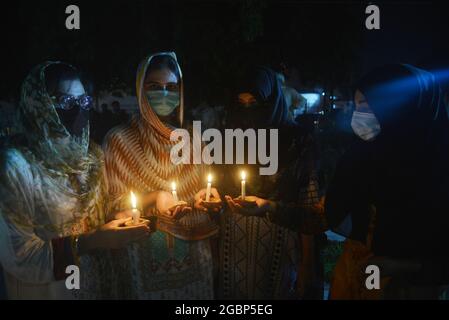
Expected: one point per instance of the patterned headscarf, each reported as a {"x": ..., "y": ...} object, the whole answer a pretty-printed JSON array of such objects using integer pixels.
[
  {"x": 56, "y": 154},
  {"x": 47, "y": 137}
]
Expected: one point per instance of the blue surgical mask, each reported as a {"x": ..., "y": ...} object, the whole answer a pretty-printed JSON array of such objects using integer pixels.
[
  {"x": 365, "y": 125},
  {"x": 163, "y": 102}
]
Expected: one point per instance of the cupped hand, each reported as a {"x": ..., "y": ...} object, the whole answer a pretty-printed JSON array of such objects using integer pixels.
[
  {"x": 251, "y": 206},
  {"x": 214, "y": 205},
  {"x": 115, "y": 235},
  {"x": 119, "y": 215},
  {"x": 168, "y": 207}
]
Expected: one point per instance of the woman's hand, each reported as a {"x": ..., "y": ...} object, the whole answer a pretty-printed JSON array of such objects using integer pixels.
[
  {"x": 167, "y": 206},
  {"x": 251, "y": 206},
  {"x": 146, "y": 200},
  {"x": 113, "y": 235},
  {"x": 215, "y": 198},
  {"x": 119, "y": 215}
]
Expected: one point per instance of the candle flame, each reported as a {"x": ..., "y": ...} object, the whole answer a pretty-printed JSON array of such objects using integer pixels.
[
  {"x": 173, "y": 186},
  {"x": 209, "y": 178},
  {"x": 243, "y": 175},
  {"x": 133, "y": 200}
]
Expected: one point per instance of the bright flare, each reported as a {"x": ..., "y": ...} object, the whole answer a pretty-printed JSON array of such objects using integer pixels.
[
  {"x": 133, "y": 200},
  {"x": 135, "y": 213},
  {"x": 173, "y": 191},
  {"x": 209, "y": 186},
  {"x": 243, "y": 175}
]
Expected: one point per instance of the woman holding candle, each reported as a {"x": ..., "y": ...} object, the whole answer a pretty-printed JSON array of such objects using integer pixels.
[
  {"x": 53, "y": 196},
  {"x": 176, "y": 261},
  {"x": 278, "y": 261}
]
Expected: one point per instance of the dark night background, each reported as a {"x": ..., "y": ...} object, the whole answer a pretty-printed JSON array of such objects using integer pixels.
[
  {"x": 322, "y": 43},
  {"x": 325, "y": 41}
]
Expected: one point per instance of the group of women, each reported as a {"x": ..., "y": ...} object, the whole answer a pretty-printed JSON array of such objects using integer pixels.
[{"x": 65, "y": 201}]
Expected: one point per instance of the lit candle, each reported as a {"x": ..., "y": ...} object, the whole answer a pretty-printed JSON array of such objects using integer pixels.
[
  {"x": 173, "y": 191},
  {"x": 209, "y": 185},
  {"x": 135, "y": 211},
  {"x": 243, "y": 175}
]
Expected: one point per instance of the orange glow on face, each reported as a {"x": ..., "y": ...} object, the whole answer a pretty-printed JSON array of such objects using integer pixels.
[{"x": 246, "y": 98}]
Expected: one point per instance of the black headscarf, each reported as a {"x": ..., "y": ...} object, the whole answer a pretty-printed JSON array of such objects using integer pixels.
[
  {"x": 407, "y": 102},
  {"x": 296, "y": 146},
  {"x": 404, "y": 171},
  {"x": 263, "y": 84}
]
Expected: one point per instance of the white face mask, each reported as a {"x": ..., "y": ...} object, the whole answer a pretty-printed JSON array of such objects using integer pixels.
[{"x": 365, "y": 125}]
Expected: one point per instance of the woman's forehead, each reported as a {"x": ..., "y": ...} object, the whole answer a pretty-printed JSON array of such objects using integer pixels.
[
  {"x": 71, "y": 86},
  {"x": 161, "y": 76},
  {"x": 246, "y": 96}
]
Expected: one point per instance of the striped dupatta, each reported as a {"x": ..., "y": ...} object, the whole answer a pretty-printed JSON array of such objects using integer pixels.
[{"x": 138, "y": 159}]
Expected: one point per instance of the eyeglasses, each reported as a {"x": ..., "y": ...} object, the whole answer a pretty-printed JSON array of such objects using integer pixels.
[{"x": 67, "y": 102}]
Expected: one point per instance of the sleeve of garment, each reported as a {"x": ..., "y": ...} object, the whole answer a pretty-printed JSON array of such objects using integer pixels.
[
  {"x": 116, "y": 186},
  {"x": 347, "y": 204},
  {"x": 301, "y": 216},
  {"x": 338, "y": 195},
  {"x": 302, "y": 212},
  {"x": 350, "y": 196},
  {"x": 103, "y": 203},
  {"x": 22, "y": 253}
]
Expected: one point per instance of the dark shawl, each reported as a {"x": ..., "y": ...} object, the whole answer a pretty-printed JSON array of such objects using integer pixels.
[
  {"x": 259, "y": 256},
  {"x": 266, "y": 87},
  {"x": 297, "y": 148},
  {"x": 403, "y": 173}
]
